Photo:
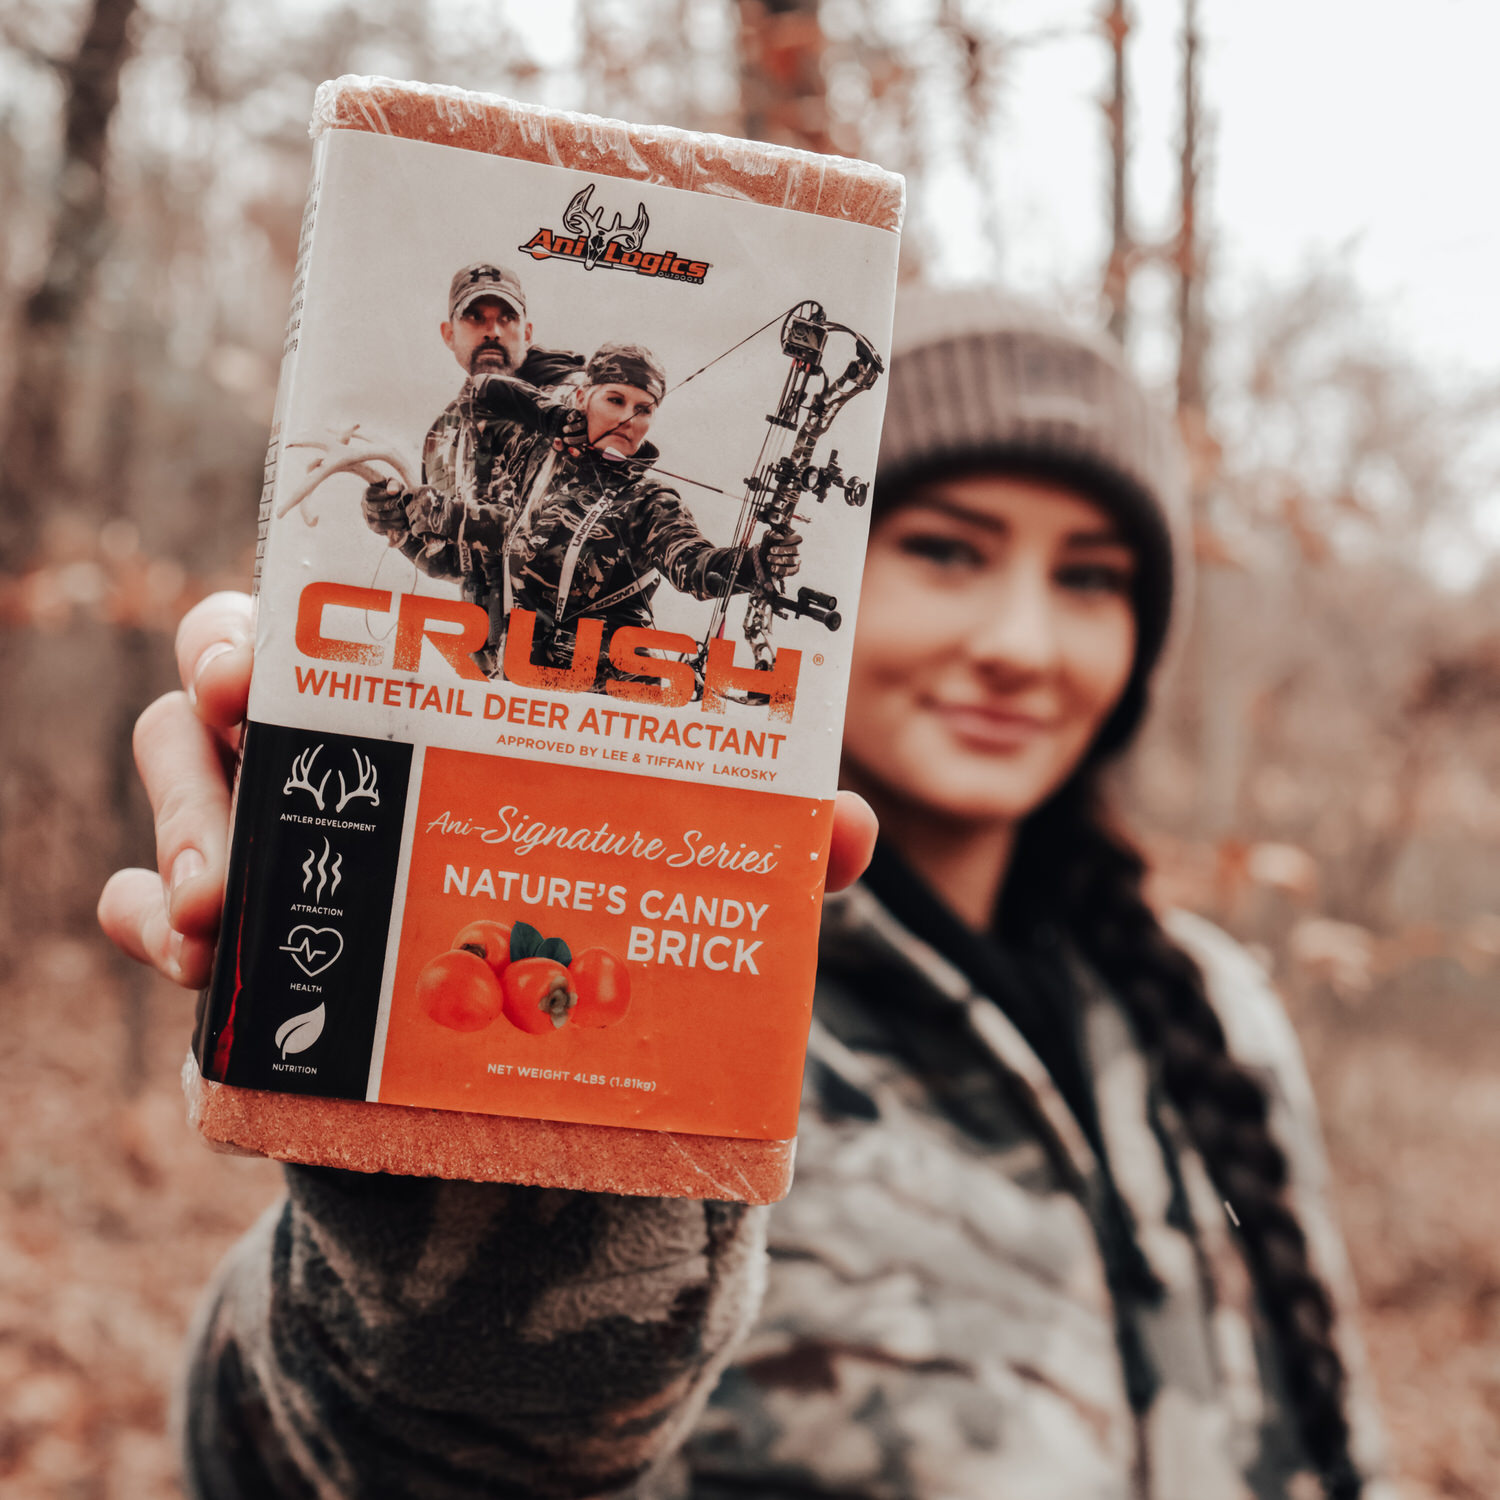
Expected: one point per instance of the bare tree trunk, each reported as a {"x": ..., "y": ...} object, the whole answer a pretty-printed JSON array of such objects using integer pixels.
[
  {"x": 1121, "y": 248},
  {"x": 977, "y": 58},
  {"x": 1192, "y": 332},
  {"x": 782, "y": 90},
  {"x": 32, "y": 466},
  {"x": 33, "y": 473},
  {"x": 1221, "y": 717}
]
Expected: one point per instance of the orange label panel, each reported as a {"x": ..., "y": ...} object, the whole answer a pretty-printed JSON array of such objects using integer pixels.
[{"x": 705, "y": 900}]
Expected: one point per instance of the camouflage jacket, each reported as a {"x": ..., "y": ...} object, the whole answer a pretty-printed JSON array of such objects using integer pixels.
[
  {"x": 934, "y": 1320},
  {"x": 468, "y": 449},
  {"x": 568, "y": 537}
]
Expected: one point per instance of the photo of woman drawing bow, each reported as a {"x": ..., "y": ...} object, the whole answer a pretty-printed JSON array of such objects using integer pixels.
[{"x": 587, "y": 530}]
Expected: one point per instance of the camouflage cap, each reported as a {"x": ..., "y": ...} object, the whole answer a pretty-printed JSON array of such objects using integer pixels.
[
  {"x": 484, "y": 279},
  {"x": 627, "y": 364}
]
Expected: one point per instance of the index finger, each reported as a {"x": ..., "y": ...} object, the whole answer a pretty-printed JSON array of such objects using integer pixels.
[
  {"x": 215, "y": 647},
  {"x": 853, "y": 841}
]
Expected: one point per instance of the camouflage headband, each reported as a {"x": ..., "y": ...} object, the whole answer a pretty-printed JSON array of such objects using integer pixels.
[{"x": 628, "y": 364}]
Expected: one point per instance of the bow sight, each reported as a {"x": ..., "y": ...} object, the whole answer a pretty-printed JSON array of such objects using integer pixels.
[
  {"x": 817, "y": 482},
  {"x": 804, "y": 334}
]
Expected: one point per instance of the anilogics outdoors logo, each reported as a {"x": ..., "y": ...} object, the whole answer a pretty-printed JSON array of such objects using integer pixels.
[{"x": 589, "y": 243}]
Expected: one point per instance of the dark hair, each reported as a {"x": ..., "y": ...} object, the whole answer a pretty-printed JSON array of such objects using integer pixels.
[{"x": 1074, "y": 868}]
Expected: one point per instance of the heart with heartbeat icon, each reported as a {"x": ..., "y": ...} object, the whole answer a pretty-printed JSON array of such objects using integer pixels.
[{"x": 313, "y": 948}]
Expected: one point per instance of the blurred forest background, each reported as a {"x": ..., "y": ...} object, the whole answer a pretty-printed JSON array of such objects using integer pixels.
[{"x": 1323, "y": 782}]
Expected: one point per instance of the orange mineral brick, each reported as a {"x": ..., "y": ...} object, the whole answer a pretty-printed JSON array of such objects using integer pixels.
[{"x": 536, "y": 786}]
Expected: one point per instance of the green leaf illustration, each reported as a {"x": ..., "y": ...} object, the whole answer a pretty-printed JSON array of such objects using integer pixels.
[
  {"x": 556, "y": 948},
  {"x": 525, "y": 941}
]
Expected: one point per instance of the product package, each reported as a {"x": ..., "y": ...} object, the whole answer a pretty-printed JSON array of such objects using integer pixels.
[{"x": 560, "y": 540}]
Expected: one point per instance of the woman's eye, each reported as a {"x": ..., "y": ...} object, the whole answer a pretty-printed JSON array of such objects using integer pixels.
[
  {"x": 1095, "y": 578},
  {"x": 945, "y": 551}
]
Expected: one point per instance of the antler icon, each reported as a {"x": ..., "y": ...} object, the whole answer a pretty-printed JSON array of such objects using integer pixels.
[
  {"x": 577, "y": 219},
  {"x": 588, "y": 224},
  {"x": 365, "y": 787},
  {"x": 302, "y": 771},
  {"x": 631, "y": 236}
]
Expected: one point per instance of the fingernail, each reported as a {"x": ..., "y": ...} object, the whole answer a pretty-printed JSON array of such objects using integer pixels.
[
  {"x": 175, "y": 945},
  {"x": 210, "y": 654},
  {"x": 187, "y": 864}
]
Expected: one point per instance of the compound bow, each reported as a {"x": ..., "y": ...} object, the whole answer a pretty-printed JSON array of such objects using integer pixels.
[{"x": 784, "y": 472}]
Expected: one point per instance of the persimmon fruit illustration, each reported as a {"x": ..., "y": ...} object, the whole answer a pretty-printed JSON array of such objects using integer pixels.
[
  {"x": 603, "y": 984},
  {"x": 487, "y": 940},
  {"x": 539, "y": 994},
  {"x": 510, "y": 969},
  {"x": 459, "y": 990}
]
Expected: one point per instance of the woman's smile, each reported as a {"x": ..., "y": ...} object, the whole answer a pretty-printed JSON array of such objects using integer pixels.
[
  {"x": 999, "y": 635},
  {"x": 987, "y": 726}
]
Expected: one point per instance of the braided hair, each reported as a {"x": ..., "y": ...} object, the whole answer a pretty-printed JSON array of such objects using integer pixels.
[
  {"x": 1074, "y": 868},
  {"x": 980, "y": 384}
]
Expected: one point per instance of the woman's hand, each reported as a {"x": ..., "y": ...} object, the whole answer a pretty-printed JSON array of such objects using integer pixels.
[
  {"x": 780, "y": 554},
  {"x": 184, "y": 750},
  {"x": 184, "y": 744}
]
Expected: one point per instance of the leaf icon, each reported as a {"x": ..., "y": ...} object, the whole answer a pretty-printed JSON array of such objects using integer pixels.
[{"x": 300, "y": 1032}]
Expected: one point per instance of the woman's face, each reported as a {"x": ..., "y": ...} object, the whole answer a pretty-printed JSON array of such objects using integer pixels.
[
  {"x": 996, "y": 633},
  {"x": 619, "y": 417}
]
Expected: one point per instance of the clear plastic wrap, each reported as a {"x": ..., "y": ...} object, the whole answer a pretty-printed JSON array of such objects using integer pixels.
[{"x": 834, "y": 186}]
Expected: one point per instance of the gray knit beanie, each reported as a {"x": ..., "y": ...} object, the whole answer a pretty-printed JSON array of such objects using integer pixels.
[{"x": 979, "y": 380}]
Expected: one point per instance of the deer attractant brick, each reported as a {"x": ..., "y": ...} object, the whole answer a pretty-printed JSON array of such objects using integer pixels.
[{"x": 560, "y": 543}]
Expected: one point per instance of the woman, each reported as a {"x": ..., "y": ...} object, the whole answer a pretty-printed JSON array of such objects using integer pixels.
[
  {"x": 1058, "y": 1226},
  {"x": 584, "y": 531}
]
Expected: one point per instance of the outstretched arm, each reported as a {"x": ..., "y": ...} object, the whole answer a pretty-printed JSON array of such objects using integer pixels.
[
  {"x": 416, "y": 523},
  {"x": 407, "y": 1336},
  {"x": 507, "y": 399},
  {"x": 666, "y": 534},
  {"x": 383, "y": 1335}
]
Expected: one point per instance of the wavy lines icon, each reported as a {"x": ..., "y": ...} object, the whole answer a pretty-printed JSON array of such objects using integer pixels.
[{"x": 325, "y": 871}]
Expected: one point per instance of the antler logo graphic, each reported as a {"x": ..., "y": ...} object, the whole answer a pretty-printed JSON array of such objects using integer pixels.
[
  {"x": 301, "y": 780},
  {"x": 587, "y": 241},
  {"x": 588, "y": 224},
  {"x": 364, "y": 787}
]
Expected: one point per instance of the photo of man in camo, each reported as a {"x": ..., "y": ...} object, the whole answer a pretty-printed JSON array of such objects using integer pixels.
[{"x": 488, "y": 331}]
